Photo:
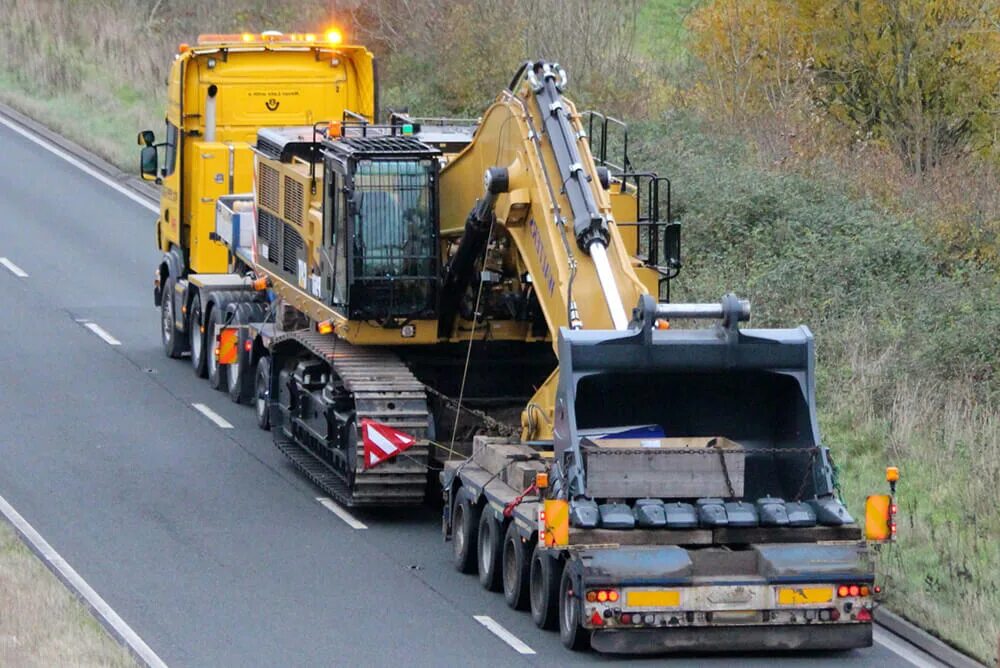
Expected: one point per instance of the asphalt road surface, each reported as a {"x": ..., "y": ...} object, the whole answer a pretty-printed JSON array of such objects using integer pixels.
[{"x": 202, "y": 538}]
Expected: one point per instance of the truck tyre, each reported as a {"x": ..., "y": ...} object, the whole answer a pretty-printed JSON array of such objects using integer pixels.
[
  {"x": 262, "y": 393},
  {"x": 572, "y": 634},
  {"x": 543, "y": 589},
  {"x": 490, "y": 551},
  {"x": 241, "y": 374},
  {"x": 217, "y": 376},
  {"x": 465, "y": 527},
  {"x": 516, "y": 569},
  {"x": 173, "y": 344},
  {"x": 197, "y": 337}
]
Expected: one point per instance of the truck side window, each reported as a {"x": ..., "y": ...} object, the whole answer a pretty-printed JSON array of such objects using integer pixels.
[{"x": 170, "y": 156}]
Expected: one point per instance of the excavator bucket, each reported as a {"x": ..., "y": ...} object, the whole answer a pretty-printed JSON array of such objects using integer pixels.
[{"x": 690, "y": 413}]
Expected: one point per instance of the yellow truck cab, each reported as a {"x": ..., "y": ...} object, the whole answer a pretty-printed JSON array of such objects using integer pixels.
[{"x": 221, "y": 92}]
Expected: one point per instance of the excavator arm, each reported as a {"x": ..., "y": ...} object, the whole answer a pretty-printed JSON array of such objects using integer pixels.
[{"x": 543, "y": 189}]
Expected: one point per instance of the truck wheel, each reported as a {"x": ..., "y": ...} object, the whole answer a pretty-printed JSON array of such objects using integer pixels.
[
  {"x": 516, "y": 569},
  {"x": 572, "y": 634},
  {"x": 465, "y": 527},
  {"x": 197, "y": 337},
  {"x": 216, "y": 374},
  {"x": 173, "y": 345},
  {"x": 543, "y": 589},
  {"x": 240, "y": 373},
  {"x": 490, "y": 551},
  {"x": 262, "y": 393}
]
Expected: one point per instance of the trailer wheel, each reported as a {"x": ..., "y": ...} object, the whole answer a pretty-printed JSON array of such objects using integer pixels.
[
  {"x": 241, "y": 373},
  {"x": 173, "y": 345},
  {"x": 490, "y": 551},
  {"x": 516, "y": 569},
  {"x": 216, "y": 374},
  {"x": 543, "y": 589},
  {"x": 197, "y": 337},
  {"x": 465, "y": 523},
  {"x": 572, "y": 634},
  {"x": 262, "y": 393}
]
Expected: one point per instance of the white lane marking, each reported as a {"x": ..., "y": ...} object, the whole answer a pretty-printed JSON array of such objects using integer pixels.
[
  {"x": 213, "y": 416},
  {"x": 14, "y": 269},
  {"x": 903, "y": 649},
  {"x": 83, "y": 167},
  {"x": 502, "y": 633},
  {"x": 342, "y": 513},
  {"x": 103, "y": 333},
  {"x": 80, "y": 586}
]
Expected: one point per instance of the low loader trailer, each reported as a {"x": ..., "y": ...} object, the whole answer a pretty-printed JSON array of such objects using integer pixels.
[{"x": 473, "y": 307}]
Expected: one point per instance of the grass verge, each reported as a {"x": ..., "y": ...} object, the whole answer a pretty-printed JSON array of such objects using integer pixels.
[{"x": 41, "y": 622}]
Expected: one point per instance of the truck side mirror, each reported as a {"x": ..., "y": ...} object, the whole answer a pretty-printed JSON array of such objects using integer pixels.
[
  {"x": 146, "y": 138},
  {"x": 148, "y": 162},
  {"x": 672, "y": 245}
]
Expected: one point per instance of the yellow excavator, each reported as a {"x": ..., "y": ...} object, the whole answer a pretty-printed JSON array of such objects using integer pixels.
[{"x": 481, "y": 299}]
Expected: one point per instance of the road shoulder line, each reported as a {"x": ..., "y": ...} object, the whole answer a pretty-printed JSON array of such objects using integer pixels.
[
  {"x": 61, "y": 568},
  {"x": 51, "y": 147}
]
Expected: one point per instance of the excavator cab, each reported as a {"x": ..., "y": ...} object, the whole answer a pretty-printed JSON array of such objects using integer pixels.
[{"x": 382, "y": 216}]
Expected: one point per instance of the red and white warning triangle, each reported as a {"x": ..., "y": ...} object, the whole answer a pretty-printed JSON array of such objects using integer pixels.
[{"x": 382, "y": 442}]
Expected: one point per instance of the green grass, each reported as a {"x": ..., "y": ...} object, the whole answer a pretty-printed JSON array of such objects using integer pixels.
[
  {"x": 104, "y": 120},
  {"x": 41, "y": 623},
  {"x": 660, "y": 32}
]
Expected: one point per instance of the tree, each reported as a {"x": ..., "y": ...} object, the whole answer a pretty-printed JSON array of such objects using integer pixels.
[{"x": 923, "y": 75}]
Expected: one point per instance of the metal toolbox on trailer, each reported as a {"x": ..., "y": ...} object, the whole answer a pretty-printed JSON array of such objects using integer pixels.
[{"x": 234, "y": 220}]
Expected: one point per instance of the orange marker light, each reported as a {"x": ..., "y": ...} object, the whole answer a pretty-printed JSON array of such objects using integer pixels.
[
  {"x": 541, "y": 480},
  {"x": 333, "y": 36},
  {"x": 892, "y": 474},
  {"x": 662, "y": 324},
  {"x": 183, "y": 47},
  {"x": 325, "y": 327}
]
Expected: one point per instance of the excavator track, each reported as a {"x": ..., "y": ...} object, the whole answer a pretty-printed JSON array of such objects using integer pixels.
[{"x": 384, "y": 390}]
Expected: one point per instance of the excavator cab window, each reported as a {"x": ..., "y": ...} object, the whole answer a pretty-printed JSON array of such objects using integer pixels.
[
  {"x": 384, "y": 226},
  {"x": 394, "y": 240}
]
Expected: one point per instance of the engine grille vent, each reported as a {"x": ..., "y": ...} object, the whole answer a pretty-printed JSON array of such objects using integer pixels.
[
  {"x": 267, "y": 233},
  {"x": 268, "y": 187},
  {"x": 293, "y": 200},
  {"x": 290, "y": 252}
]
